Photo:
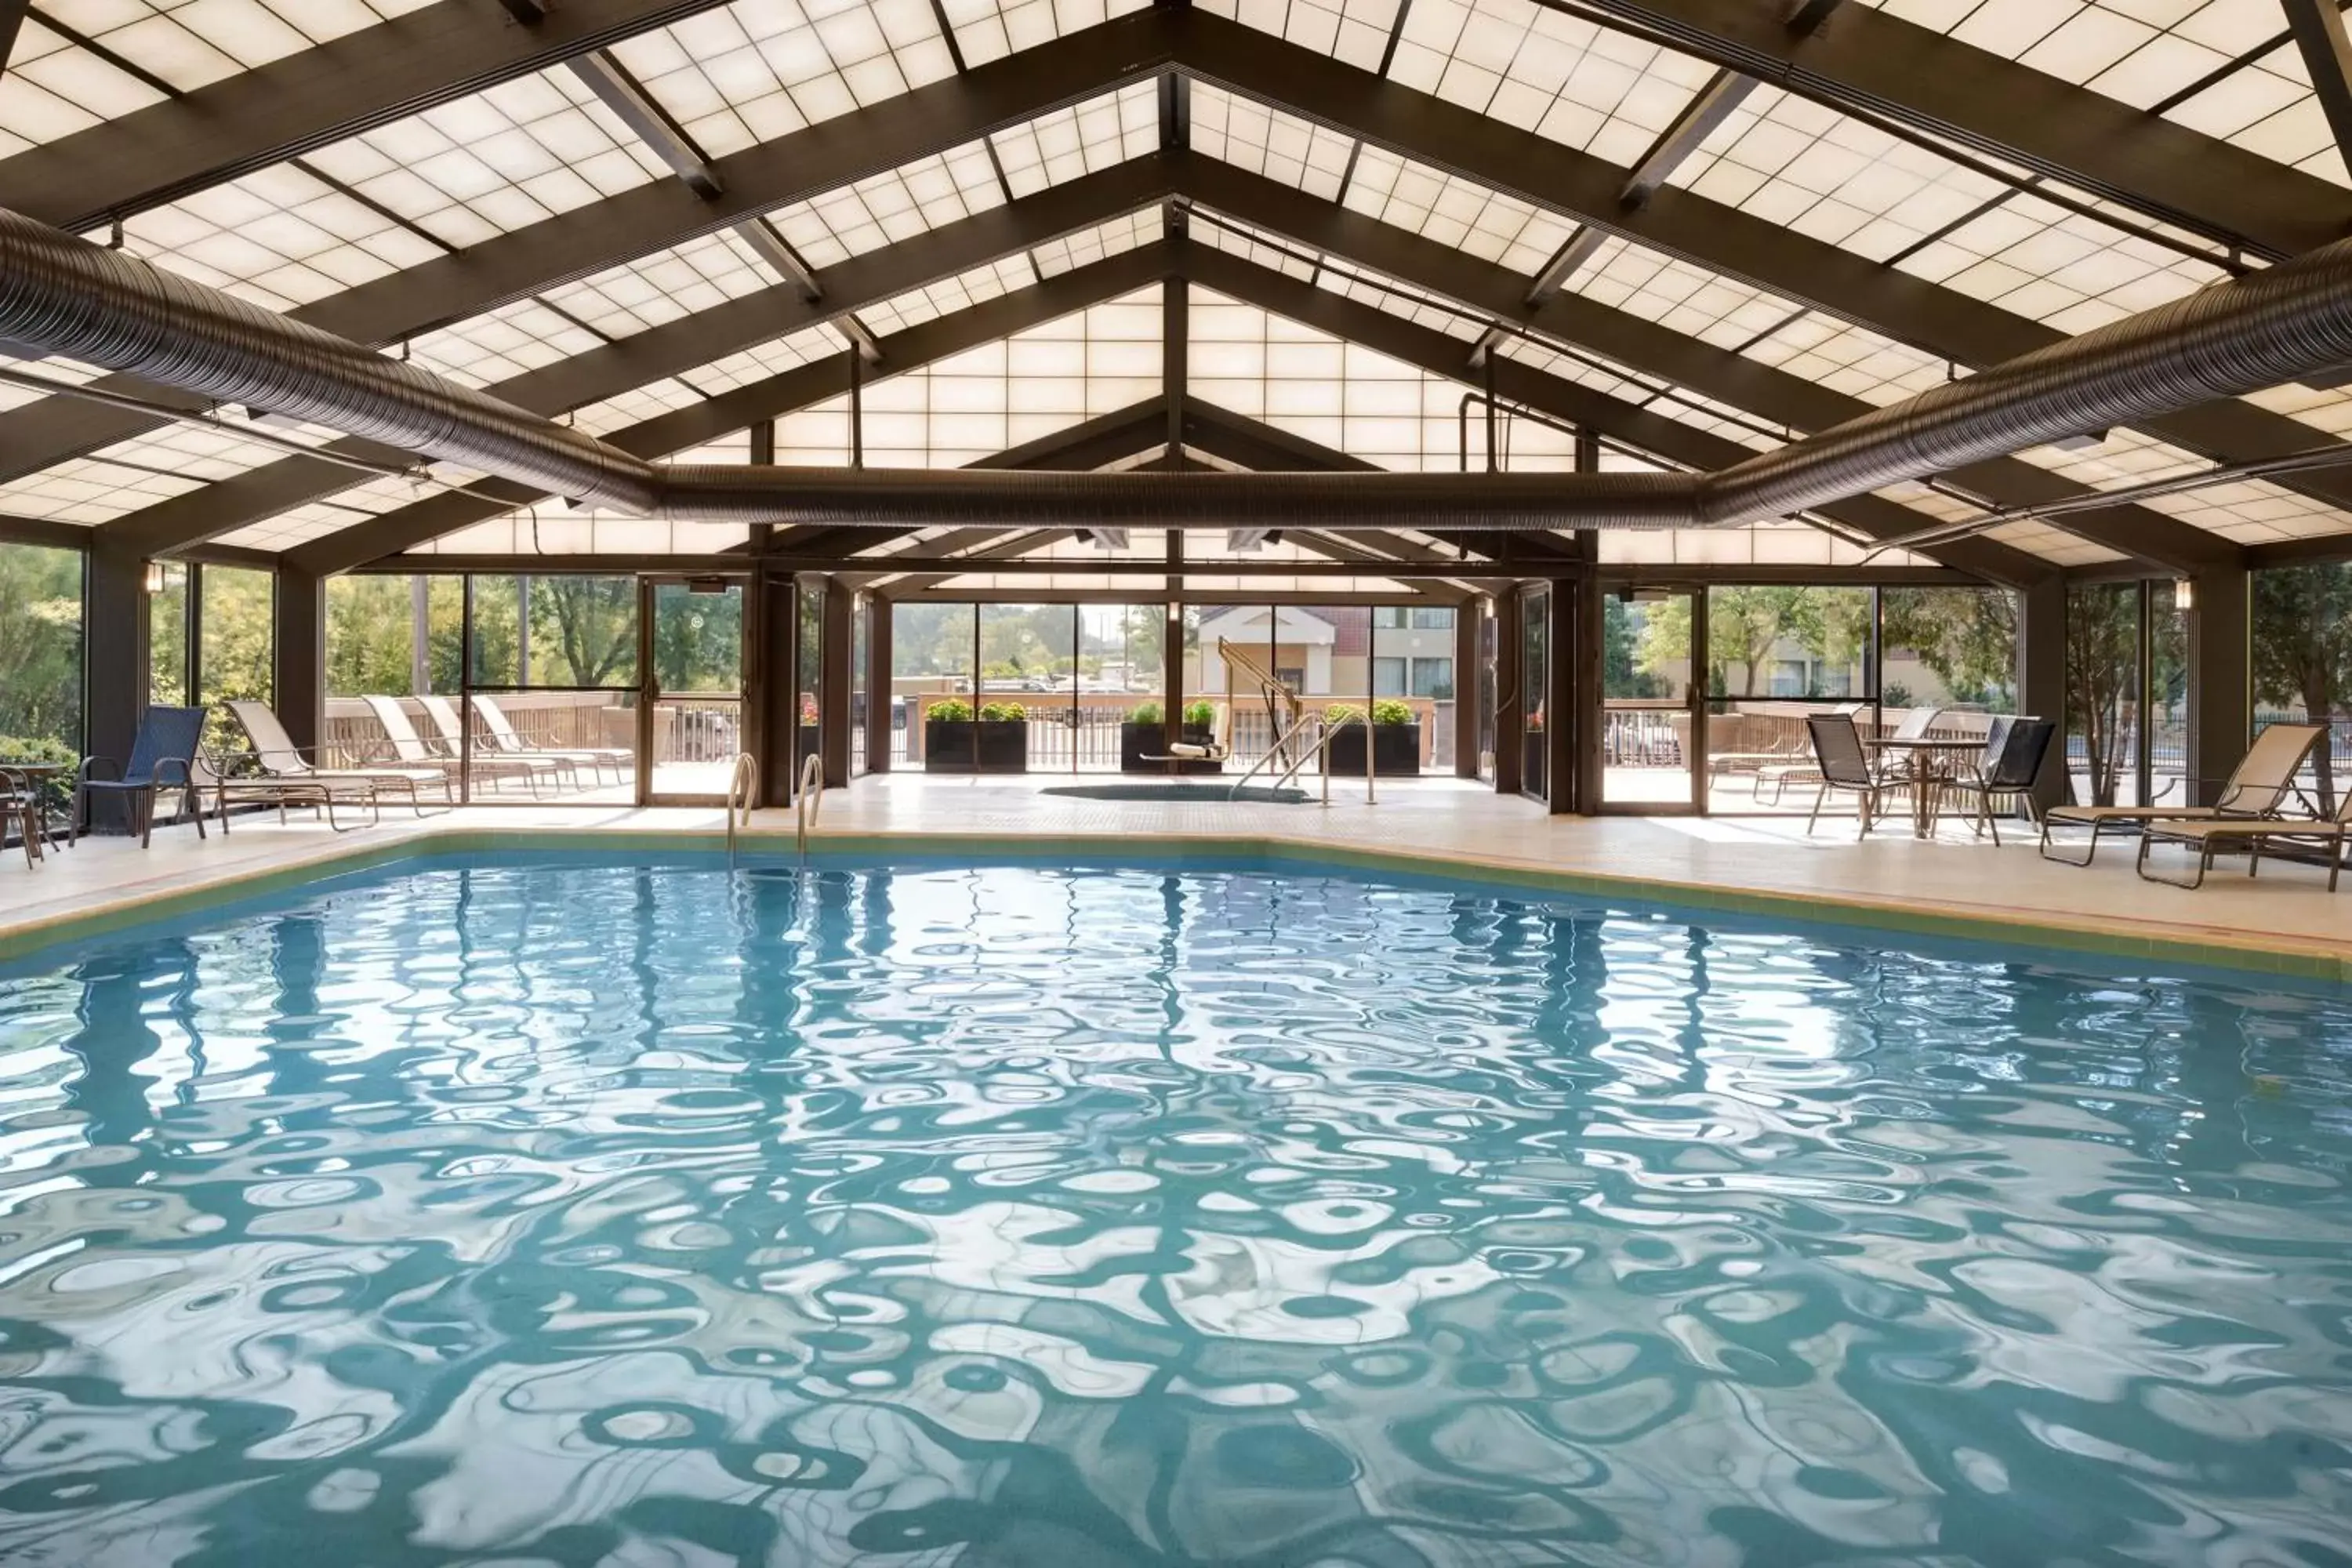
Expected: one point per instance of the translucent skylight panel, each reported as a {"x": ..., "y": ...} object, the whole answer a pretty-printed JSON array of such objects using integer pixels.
[
  {"x": 1100, "y": 242},
  {"x": 1353, "y": 31},
  {"x": 1772, "y": 543},
  {"x": 499, "y": 160},
  {"x": 2051, "y": 544},
  {"x": 316, "y": 520},
  {"x": 1247, "y": 243},
  {"x": 599, "y": 533},
  {"x": 2254, "y": 511},
  {"x": 895, "y": 204},
  {"x": 64, "y": 370},
  {"x": 1690, "y": 300},
  {"x": 279, "y": 237},
  {"x": 2146, "y": 52},
  {"x": 1563, "y": 78},
  {"x": 2124, "y": 457},
  {"x": 1338, "y": 395},
  {"x": 1453, "y": 211},
  {"x": 1266, "y": 140},
  {"x": 2038, "y": 260},
  {"x": 1673, "y": 403},
  {"x": 1077, "y": 141},
  {"x": 1848, "y": 359},
  {"x": 54, "y": 88},
  {"x": 2322, "y": 409},
  {"x": 626, "y": 300},
  {"x": 635, "y": 407},
  {"x": 990, "y": 29},
  {"x": 759, "y": 70},
  {"x": 483, "y": 351},
  {"x": 1418, "y": 309},
  {"x": 769, "y": 359},
  {"x": 1821, "y": 174},
  {"x": 91, "y": 490},
  {"x": 948, "y": 296},
  {"x": 974, "y": 405}
]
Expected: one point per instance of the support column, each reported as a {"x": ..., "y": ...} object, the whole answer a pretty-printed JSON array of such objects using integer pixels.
[
  {"x": 1468, "y": 618},
  {"x": 2220, "y": 685},
  {"x": 299, "y": 655},
  {"x": 2042, "y": 677},
  {"x": 834, "y": 684},
  {"x": 1510, "y": 702},
  {"x": 773, "y": 698},
  {"x": 877, "y": 685},
  {"x": 1572, "y": 703},
  {"x": 114, "y": 649},
  {"x": 1172, "y": 651}
]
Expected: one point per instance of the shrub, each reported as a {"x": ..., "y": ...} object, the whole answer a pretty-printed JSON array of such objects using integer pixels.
[
  {"x": 1391, "y": 712},
  {"x": 1340, "y": 713},
  {"x": 954, "y": 710},
  {"x": 1200, "y": 715},
  {"x": 37, "y": 749},
  {"x": 1003, "y": 714},
  {"x": 1145, "y": 713}
]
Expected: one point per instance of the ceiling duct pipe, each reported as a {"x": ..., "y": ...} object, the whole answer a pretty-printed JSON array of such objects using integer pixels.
[
  {"x": 60, "y": 295},
  {"x": 2285, "y": 323}
]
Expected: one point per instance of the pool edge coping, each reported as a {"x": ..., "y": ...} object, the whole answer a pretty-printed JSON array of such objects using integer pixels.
[{"x": 2257, "y": 953}]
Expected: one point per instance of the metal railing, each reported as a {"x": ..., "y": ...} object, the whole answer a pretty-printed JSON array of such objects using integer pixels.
[
  {"x": 742, "y": 790},
  {"x": 807, "y": 801}
]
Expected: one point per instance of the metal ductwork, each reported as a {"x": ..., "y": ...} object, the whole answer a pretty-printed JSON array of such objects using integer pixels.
[
  {"x": 1340, "y": 503},
  {"x": 2290, "y": 321},
  {"x": 60, "y": 295}
]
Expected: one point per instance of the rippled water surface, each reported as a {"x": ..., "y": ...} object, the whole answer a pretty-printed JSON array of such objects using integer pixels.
[{"x": 634, "y": 1218}]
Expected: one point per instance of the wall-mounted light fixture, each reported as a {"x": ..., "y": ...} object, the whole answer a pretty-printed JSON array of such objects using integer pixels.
[
  {"x": 154, "y": 577},
  {"x": 2184, "y": 594}
]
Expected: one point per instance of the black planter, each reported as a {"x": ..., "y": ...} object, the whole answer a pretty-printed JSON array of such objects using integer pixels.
[
  {"x": 1396, "y": 752},
  {"x": 1137, "y": 741},
  {"x": 808, "y": 745},
  {"x": 948, "y": 746},
  {"x": 1534, "y": 754}
]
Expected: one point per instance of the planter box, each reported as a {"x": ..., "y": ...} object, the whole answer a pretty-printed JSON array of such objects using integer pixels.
[
  {"x": 1002, "y": 746},
  {"x": 1137, "y": 741},
  {"x": 1533, "y": 756},
  {"x": 1396, "y": 752},
  {"x": 806, "y": 746}
]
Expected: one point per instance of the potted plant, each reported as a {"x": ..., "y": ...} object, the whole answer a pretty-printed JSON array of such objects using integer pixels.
[
  {"x": 1143, "y": 734},
  {"x": 809, "y": 742},
  {"x": 1395, "y": 736},
  {"x": 994, "y": 742}
]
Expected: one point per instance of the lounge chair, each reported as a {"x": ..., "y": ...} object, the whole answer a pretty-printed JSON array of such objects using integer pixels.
[
  {"x": 409, "y": 749},
  {"x": 2210, "y": 836},
  {"x": 505, "y": 739},
  {"x": 2009, "y": 762},
  {"x": 2256, "y": 790},
  {"x": 162, "y": 756},
  {"x": 1844, "y": 765},
  {"x": 289, "y": 776},
  {"x": 1799, "y": 769},
  {"x": 449, "y": 736}
]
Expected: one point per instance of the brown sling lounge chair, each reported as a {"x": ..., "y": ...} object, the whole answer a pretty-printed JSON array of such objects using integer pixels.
[
  {"x": 2204, "y": 839},
  {"x": 2256, "y": 790}
]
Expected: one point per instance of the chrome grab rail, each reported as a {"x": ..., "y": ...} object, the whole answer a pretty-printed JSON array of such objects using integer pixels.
[
  {"x": 742, "y": 790},
  {"x": 1271, "y": 752},
  {"x": 811, "y": 796},
  {"x": 1321, "y": 751}
]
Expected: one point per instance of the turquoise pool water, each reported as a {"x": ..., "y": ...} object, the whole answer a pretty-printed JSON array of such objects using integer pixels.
[{"x": 625, "y": 1216}]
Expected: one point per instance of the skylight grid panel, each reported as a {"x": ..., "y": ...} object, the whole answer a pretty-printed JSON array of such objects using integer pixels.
[
  {"x": 759, "y": 70},
  {"x": 2068, "y": 271},
  {"x": 2322, "y": 409},
  {"x": 815, "y": 436},
  {"x": 2254, "y": 511},
  {"x": 635, "y": 407},
  {"x": 2051, "y": 544},
  {"x": 1470, "y": 217},
  {"x": 664, "y": 286},
  {"x": 2267, "y": 108},
  {"x": 949, "y": 295},
  {"x": 895, "y": 204},
  {"x": 1104, "y": 241},
  {"x": 2124, "y": 457},
  {"x": 1250, "y": 246},
  {"x": 509, "y": 341},
  {"x": 769, "y": 359},
  {"x": 1848, "y": 359},
  {"x": 90, "y": 491},
  {"x": 54, "y": 88},
  {"x": 1937, "y": 504},
  {"x": 1402, "y": 303},
  {"x": 1566, "y": 80},
  {"x": 1068, "y": 142},
  {"x": 1280, "y": 146},
  {"x": 275, "y": 237},
  {"x": 1353, "y": 31},
  {"x": 497, "y": 160},
  {"x": 198, "y": 453},
  {"x": 990, "y": 29}
]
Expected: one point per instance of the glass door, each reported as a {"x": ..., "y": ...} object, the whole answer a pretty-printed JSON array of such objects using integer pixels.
[
  {"x": 1652, "y": 647},
  {"x": 692, "y": 717},
  {"x": 1534, "y": 661}
]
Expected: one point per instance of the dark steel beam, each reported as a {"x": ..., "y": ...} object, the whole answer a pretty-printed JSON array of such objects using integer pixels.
[
  {"x": 273, "y": 112},
  {"x": 1719, "y": 374},
  {"x": 12, "y": 17},
  {"x": 676, "y": 347},
  {"x": 647, "y": 121},
  {"x": 649, "y": 217},
  {"x": 1839, "y": 283},
  {"x": 1669, "y": 439},
  {"x": 409, "y": 526},
  {"x": 2319, "y": 38},
  {"x": 1871, "y": 60}
]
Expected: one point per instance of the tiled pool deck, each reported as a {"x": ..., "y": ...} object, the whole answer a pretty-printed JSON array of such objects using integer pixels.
[{"x": 2285, "y": 922}]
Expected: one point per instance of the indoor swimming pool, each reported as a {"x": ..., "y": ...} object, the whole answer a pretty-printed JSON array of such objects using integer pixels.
[{"x": 540, "y": 1212}]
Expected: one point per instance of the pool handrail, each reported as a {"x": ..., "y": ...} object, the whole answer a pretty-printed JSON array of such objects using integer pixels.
[
  {"x": 742, "y": 790},
  {"x": 807, "y": 799}
]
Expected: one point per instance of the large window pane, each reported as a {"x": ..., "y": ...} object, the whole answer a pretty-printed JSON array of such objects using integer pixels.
[
  {"x": 40, "y": 647},
  {"x": 2302, "y": 661},
  {"x": 2166, "y": 708},
  {"x": 1412, "y": 663},
  {"x": 860, "y": 634},
  {"x": 1122, "y": 675},
  {"x": 930, "y": 661},
  {"x": 2102, "y": 693},
  {"x": 1028, "y": 662},
  {"x": 386, "y": 636},
  {"x": 1534, "y": 654},
  {"x": 1955, "y": 648},
  {"x": 236, "y": 644},
  {"x": 167, "y": 636},
  {"x": 555, "y": 631},
  {"x": 809, "y": 699}
]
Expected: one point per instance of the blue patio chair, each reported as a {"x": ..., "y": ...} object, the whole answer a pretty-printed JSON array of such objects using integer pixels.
[{"x": 162, "y": 757}]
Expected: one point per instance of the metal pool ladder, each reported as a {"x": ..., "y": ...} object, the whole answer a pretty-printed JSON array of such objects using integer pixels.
[
  {"x": 806, "y": 802},
  {"x": 1319, "y": 750},
  {"x": 742, "y": 790}
]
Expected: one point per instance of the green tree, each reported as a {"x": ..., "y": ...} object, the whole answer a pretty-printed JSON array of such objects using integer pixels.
[
  {"x": 2303, "y": 647},
  {"x": 40, "y": 643},
  {"x": 2103, "y": 677},
  {"x": 1967, "y": 635},
  {"x": 1620, "y": 674}
]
